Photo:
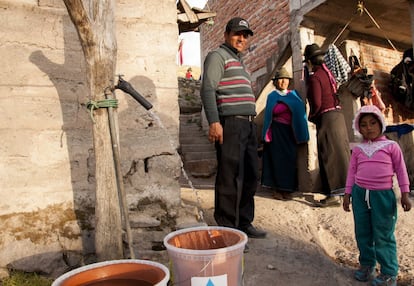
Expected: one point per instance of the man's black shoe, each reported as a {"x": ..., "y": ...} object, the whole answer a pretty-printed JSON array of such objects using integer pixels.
[{"x": 253, "y": 232}]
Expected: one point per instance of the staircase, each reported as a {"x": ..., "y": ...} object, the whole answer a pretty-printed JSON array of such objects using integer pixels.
[{"x": 197, "y": 153}]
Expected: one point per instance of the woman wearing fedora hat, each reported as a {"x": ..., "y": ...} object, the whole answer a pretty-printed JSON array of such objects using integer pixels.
[
  {"x": 284, "y": 127},
  {"x": 325, "y": 113}
]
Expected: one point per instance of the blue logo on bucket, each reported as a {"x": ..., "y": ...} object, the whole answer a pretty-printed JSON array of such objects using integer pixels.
[{"x": 220, "y": 280}]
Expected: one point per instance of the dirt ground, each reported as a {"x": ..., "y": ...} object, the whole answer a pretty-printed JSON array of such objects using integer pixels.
[{"x": 306, "y": 245}]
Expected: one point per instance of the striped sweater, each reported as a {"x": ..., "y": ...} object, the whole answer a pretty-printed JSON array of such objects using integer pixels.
[{"x": 226, "y": 86}]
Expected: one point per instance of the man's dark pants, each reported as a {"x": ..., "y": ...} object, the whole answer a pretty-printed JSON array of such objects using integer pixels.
[{"x": 237, "y": 173}]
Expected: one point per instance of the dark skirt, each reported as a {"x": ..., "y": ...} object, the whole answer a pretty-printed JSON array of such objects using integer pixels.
[
  {"x": 279, "y": 170},
  {"x": 333, "y": 152}
]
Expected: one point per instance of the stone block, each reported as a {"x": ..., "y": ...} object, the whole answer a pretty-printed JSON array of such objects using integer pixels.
[{"x": 201, "y": 168}]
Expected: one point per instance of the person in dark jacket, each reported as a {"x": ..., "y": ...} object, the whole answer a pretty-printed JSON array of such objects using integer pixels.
[
  {"x": 285, "y": 126},
  {"x": 332, "y": 138},
  {"x": 401, "y": 83},
  {"x": 230, "y": 106}
]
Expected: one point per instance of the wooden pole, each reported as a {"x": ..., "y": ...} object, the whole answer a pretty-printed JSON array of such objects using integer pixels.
[
  {"x": 119, "y": 177},
  {"x": 96, "y": 32}
]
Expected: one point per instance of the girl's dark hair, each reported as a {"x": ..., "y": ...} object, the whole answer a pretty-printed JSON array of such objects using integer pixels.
[{"x": 317, "y": 60}]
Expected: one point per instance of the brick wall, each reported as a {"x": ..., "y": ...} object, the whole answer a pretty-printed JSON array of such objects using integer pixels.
[
  {"x": 269, "y": 20},
  {"x": 380, "y": 59}
]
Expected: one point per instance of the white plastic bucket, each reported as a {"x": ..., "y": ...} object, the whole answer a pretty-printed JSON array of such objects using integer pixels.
[
  {"x": 206, "y": 255},
  {"x": 125, "y": 272}
]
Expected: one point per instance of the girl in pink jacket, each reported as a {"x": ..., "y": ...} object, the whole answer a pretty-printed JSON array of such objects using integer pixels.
[{"x": 369, "y": 181}]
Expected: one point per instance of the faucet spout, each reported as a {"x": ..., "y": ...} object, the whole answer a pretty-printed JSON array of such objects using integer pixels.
[{"x": 128, "y": 88}]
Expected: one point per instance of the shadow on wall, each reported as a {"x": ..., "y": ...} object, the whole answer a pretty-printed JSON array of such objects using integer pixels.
[{"x": 69, "y": 80}]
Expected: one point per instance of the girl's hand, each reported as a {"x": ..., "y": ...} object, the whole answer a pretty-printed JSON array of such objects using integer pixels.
[
  {"x": 405, "y": 202},
  {"x": 346, "y": 203}
]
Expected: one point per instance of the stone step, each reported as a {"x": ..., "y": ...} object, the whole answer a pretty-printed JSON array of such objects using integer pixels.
[
  {"x": 190, "y": 118},
  {"x": 201, "y": 168},
  {"x": 195, "y": 139},
  {"x": 193, "y": 156},
  {"x": 197, "y": 153},
  {"x": 189, "y": 109},
  {"x": 192, "y": 127},
  {"x": 192, "y": 115},
  {"x": 205, "y": 147},
  {"x": 191, "y": 131},
  {"x": 188, "y": 181}
]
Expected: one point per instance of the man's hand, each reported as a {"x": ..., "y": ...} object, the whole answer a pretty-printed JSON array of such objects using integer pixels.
[{"x": 215, "y": 133}]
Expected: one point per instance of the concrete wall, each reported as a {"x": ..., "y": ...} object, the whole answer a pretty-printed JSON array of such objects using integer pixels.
[{"x": 46, "y": 151}]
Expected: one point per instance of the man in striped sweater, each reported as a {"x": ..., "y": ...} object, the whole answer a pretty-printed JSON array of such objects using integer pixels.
[{"x": 230, "y": 107}]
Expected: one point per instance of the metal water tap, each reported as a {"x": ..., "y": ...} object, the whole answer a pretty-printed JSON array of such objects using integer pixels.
[{"x": 128, "y": 88}]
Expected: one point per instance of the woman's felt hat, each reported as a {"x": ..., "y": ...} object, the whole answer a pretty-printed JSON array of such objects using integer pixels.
[
  {"x": 312, "y": 50},
  {"x": 282, "y": 73}
]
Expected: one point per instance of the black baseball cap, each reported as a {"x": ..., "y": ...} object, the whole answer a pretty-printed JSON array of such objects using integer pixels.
[{"x": 238, "y": 24}]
